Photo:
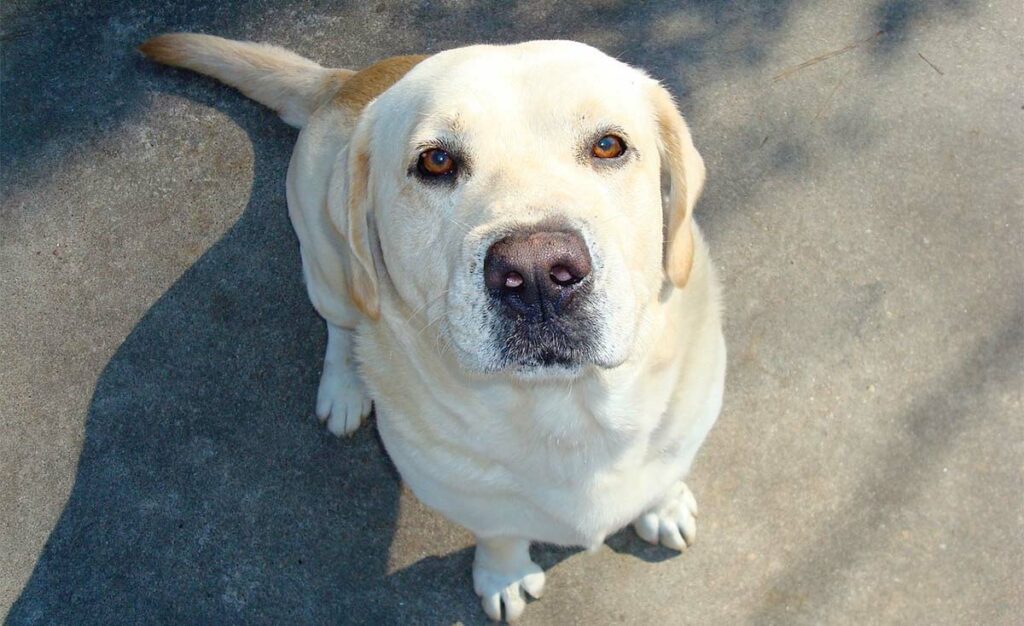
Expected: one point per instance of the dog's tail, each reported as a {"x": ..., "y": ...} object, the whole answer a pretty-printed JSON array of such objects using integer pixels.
[{"x": 291, "y": 85}]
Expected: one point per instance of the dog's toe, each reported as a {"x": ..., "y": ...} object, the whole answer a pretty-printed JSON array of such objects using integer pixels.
[
  {"x": 341, "y": 400},
  {"x": 506, "y": 589},
  {"x": 502, "y": 576},
  {"x": 673, "y": 523}
]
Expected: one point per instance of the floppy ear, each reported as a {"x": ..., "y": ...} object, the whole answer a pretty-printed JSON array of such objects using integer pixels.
[
  {"x": 685, "y": 169},
  {"x": 349, "y": 202}
]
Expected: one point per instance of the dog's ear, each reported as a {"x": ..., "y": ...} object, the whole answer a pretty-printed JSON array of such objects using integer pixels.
[
  {"x": 684, "y": 168},
  {"x": 350, "y": 206}
]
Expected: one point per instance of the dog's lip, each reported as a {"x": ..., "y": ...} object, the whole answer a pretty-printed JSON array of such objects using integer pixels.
[
  {"x": 541, "y": 372},
  {"x": 546, "y": 358},
  {"x": 549, "y": 357}
]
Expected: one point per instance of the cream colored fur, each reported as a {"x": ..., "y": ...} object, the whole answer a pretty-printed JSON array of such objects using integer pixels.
[{"x": 563, "y": 455}]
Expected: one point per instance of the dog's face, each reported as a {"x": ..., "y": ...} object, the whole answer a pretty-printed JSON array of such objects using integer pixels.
[{"x": 513, "y": 197}]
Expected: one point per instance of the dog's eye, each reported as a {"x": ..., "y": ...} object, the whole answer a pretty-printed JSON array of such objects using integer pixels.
[
  {"x": 608, "y": 147},
  {"x": 435, "y": 162}
]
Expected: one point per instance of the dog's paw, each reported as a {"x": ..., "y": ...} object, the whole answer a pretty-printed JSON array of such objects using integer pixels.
[
  {"x": 673, "y": 523},
  {"x": 341, "y": 400},
  {"x": 501, "y": 581}
]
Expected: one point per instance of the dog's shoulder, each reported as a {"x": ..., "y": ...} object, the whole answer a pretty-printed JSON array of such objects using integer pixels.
[{"x": 368, "y": 83}]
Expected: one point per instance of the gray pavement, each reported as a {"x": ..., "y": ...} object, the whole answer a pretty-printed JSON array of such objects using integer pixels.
[{"x": 159, "y": 461}]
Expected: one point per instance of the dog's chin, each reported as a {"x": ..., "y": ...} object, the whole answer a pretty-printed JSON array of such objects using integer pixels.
[
  {"x": 547, "y": 365},
  {"x": 544, "y": 373}
]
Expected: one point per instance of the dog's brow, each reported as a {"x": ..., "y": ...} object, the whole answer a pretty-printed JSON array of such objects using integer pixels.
[
  {"x": 446, "y": 122},
  {"x": 438, "y": 129},
  {"x": 454, "y": 123}
]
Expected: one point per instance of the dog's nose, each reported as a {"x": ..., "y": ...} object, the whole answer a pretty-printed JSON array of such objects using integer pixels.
[{"x": 536, "y": 274}]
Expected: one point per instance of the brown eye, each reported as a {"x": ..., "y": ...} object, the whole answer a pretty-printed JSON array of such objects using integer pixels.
[
  {"x": 435, "y": 162},
  {"x": 608, "y": 147}
]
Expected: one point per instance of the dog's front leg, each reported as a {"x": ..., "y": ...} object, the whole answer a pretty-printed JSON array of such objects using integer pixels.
[
  {"x": 341, "y": 401},
  {"x": 502, "y": 571}
]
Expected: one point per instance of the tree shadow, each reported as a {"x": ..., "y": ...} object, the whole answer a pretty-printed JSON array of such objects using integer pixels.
[
  {"x": 67, "y": 76},
  {"x": 898, "y": 20},
  {"x": 205, "y": 490}
]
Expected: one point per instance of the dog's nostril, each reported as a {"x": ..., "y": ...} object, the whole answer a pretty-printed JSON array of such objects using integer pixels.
[
  {"x": 561, "y": 275},
  {"x": 513, "y": 280}
]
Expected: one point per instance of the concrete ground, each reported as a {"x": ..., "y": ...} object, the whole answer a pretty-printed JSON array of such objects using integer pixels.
[{"x": 159, "y": 461}]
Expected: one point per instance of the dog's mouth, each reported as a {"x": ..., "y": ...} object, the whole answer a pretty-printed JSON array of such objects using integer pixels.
[{"x": 554, "y": 345}]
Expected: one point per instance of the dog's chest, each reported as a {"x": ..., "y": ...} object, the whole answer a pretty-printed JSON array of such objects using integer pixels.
[
  {"x": 565, "y": 465},
  {"x": 597, "y": 459}
]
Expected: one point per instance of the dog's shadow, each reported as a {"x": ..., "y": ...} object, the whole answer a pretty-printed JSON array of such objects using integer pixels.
[{"x": 206, "y": 492}]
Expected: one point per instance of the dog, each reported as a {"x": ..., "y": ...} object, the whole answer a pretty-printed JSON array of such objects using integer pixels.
[{"x": 501, "y": 241}]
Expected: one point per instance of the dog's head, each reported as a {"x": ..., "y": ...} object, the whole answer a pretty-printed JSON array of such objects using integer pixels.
[{"x": 513, "y": 197}]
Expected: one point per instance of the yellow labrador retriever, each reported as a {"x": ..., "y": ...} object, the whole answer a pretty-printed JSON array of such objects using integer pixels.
[{"x": 501, "y": 241}]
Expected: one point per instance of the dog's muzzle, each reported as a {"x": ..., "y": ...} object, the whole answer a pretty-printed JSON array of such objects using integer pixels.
[{"x": 538, "y": 281}]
